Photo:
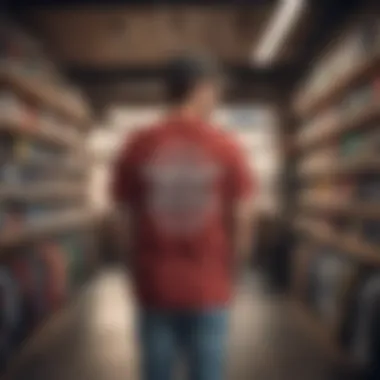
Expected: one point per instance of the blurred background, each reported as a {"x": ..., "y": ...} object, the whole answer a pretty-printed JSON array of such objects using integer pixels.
[{"x": 303, "y": 99}]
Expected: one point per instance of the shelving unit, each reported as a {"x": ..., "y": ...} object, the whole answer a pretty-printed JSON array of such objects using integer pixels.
[
  {"x": 331, "y": 207},
  {"x": 350, "y": 166},
  {"x": 306, "y": 106},
  {"x": 340, "y": 127},
  {"x": 42, "y": 191},
  {"x": 35, "y": 131},
  {"x": 46, "y": 224},
  {"x": 45, "y": 94},
  {"x": 348, "y": 245},
  {"x": 337, "y": 158}
]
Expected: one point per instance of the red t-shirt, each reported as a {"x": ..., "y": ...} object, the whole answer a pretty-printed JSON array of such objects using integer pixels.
[{"x": 180, "y": 180}]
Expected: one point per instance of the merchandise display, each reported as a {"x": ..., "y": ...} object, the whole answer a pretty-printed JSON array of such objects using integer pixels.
[
  {"x": 42, "y": 180},
  {"x": 328, "y": 281},
  {"x": 339, "y": 124},
  {"x": 365, "y": 321}
]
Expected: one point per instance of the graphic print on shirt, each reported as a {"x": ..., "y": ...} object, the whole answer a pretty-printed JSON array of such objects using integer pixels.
[{"x": 181, "y": 187}]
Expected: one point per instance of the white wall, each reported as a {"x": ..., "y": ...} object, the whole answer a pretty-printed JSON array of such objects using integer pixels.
[
  {"x": 105, "y": 142},
  {"x": 254, "y": 127}
]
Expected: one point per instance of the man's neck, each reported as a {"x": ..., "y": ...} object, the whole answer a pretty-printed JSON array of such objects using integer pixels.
[{"x": 187, "y": 113}]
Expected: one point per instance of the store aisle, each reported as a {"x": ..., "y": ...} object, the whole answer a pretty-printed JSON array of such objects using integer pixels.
[{"x": 95, "y": 339}]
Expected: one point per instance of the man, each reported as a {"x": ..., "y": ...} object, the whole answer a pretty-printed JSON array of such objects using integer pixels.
[{"x": 184, "y": 192}]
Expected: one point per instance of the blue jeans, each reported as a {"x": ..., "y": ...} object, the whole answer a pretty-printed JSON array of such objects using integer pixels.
[{"x": 197, "y": 337}]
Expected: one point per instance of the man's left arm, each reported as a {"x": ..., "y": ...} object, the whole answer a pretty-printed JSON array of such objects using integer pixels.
[
  {"x": 123, "y": 192},
  {"x": 243, "y": 189}
]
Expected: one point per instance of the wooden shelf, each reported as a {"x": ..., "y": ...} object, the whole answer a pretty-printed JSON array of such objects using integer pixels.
[
  {"x": 366, "y": 115},
  {"x": 370, "y": 210},
  {"x": 359, "y": 164},
  {"x": 347, "y": 166},
  {"x": 321, "y": 334},
  {"x": 351, "y": 246},
  {"x": 47, "y": 226},
  {"x": 45, "y": 94},
  {"x": 41, "y": 191},
  {"x": 51, "y": 135},
  {"x": 307, "y": 107},
  {"x": 63, "y": 166}
]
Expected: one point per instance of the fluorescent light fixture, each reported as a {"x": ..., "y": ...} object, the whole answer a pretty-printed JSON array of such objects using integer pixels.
[{"x": 285, "y": 18}]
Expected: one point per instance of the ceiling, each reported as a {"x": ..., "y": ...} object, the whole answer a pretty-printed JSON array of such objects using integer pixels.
[
  {"x": 116, "y": 51},
  {"x": 140, "y": 36}
]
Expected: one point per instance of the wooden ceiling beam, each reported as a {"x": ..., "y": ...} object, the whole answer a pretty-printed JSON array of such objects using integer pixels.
[
  {"x": 331, "y": 15},
  {"x": 101, "y": 102},
  {"x": 24, "y": 5},
  {"x": 151, "y": 92},
  {"x": 144, "y": 85},
  {"x": 236, "y": 74}
]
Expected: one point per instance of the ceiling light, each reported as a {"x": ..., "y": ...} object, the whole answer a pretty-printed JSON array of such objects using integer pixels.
[{"x": 280, "y": 26}]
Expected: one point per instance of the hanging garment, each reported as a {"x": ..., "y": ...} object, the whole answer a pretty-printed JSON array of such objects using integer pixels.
[
  {"x": 56, "y": 274},
  {"x": 25, "y": 273},
  {"x": 332, "y": 277},
  {"x": 10, "y": 312},
  {"x": 368, "y": 298},
  {"x": 329, "y": 276},
  {"x": 373, "y": 366},
  {"x": 41, "y": 277}
]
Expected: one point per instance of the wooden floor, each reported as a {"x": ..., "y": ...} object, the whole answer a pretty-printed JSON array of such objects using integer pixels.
[{"x": 95, "y": 339}]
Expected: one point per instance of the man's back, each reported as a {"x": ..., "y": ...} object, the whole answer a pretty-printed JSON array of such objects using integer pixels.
[
  {"x": 180, "y": 185},
  {"x": 180, "y": 179}
]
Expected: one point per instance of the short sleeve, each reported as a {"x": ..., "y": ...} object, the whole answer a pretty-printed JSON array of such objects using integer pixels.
[
  {"x": 124, "y": 173},
  {"x": 241, "y": 180}
]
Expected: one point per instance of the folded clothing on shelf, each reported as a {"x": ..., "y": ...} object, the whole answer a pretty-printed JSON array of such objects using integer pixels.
[
  {"x": 10, "y": 314},
  {"x": 357, "y": 100},
  {"x": 368, "y": 187},
  {"x": 361, "y": 333},
  {"x": 361, "y": 143},
  {"x": 370, "y": 230},
  {"x": 330, "y": 275},
  {"x": 12, "y": 216}
]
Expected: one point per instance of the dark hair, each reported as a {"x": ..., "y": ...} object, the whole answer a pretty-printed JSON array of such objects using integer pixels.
[{"x": 185, "y": 72}]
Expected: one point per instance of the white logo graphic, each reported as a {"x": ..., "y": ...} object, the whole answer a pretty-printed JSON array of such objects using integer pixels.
[{"x": 182, "y": 182}]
